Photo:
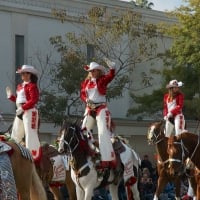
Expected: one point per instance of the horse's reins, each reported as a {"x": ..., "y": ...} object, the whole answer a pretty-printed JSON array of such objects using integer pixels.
[
  {"x": 182, "y": 155},
  {"x": 195, "y": 149},
  {"x": 157, "y": 141},
  {"x": 198, "y": 140},
  {"x": 77, "y": 172}
]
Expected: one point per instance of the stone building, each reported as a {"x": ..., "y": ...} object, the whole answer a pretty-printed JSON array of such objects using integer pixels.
[{"x": 27, "y": 25}]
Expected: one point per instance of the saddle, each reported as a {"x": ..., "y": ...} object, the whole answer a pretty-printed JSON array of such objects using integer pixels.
[
  {"x": 118, "y": 146},
  {"x": 104, "y": 173},
  {"x": 45, "y": 167}
]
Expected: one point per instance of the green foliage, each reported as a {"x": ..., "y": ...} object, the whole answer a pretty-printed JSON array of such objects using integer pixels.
[
  {"x": 182, "y": 60},
  {"x": 52, "y": 107},
  {"x": 143, "y": 4},
  {"x": 147, "y": 103}
]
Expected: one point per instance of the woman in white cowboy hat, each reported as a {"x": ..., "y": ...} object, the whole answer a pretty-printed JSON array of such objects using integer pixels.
[
  {"x": 93, "y": 93},
  {"x": 26, "y": 120},
  {"x": 172, "y": 111}
]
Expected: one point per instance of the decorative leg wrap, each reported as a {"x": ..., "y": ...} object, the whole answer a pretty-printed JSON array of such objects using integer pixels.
[
  {"x": 7, "y": 182},
  {"x": 131, "y": 181}
]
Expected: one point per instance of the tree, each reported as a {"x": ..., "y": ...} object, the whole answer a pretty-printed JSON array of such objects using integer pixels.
[
  {"x": 144, "y": 4},
  {"x": 121, "y": 35},
  {"x": 182, "y": 60}
]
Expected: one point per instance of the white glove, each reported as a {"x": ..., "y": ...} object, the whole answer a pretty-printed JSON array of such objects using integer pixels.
[
  {"x": 169, "y": 115},
  {"x": 19, "y": 111},
  {"x": 8, "y": 92},
  {"x": 110, "y": 64},
  {"x": 165, "y": 117}
]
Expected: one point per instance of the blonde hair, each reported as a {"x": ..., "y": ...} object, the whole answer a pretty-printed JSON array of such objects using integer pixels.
[
  {"x": 170, "y": 96},
  {"x": 89, "y": 76}
]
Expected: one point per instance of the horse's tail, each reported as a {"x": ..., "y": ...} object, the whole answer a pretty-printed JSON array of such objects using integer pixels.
[{"x": 37, "y": 189}]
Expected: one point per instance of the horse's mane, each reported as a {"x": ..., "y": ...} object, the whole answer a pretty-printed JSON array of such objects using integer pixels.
[{"x": 187, "y": 135}]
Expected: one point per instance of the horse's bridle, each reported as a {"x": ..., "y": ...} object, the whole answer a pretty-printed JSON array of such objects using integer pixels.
[
  {"x": 63, "y": 140},
  {"x": 185, "y": 151},
  {"x": 79, "y": 171},
  {"x": 155, "y": 137}
]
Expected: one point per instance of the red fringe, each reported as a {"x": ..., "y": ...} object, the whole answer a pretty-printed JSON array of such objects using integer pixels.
[{"x": 131, "y": 181}]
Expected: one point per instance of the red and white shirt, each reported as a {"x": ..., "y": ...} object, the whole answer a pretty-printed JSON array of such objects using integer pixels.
[
  {"x": 95, "y": 89},
  {"x": 28, "y": 94},
  {"x": 174, "y": 105}
]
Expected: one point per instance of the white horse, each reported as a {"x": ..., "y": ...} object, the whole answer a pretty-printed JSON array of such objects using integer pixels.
[{"x": 84, "y": 173}]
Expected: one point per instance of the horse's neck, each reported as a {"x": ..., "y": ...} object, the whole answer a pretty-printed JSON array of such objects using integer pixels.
[
  {"x": 162, "y": 149},
  {"x": 78, "y": 160},
  {"x": 193, "y": 147}
]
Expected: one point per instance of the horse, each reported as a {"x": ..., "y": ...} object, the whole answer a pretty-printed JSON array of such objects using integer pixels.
[
  {"x": 186, "y": 145},
  {"x": 55, "y": 172},
  {"x": 84, "y": 172},
  {"x": 47, "y": 170},
  {"x": 157, "y": 137},
  {"x": 28, "y": 183}
]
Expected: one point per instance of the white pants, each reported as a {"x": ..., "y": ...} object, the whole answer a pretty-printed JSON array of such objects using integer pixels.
[
  {"x": 179, "y": 125},
  {"x": 28, "y": 127},
  {"x": 103, "y": 120}
]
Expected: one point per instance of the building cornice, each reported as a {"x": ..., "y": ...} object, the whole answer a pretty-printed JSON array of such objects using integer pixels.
[{"x": 76, "y": 8}]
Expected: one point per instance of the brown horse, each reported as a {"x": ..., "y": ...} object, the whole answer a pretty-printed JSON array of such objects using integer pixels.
[
  {"x": 47, "y": 170},
  {"x": 156, "y": 136},
  {"x": 181, "y": 147},
  {"x": 28, "y": 183}
]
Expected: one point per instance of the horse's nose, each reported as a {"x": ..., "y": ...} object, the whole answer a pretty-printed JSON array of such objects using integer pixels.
[{"x": 60, "y": 150}]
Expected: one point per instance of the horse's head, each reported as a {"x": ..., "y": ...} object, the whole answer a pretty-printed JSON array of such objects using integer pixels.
[
  {"x": 155, "y": 132},
  {"x": 72, "y": 139},
  {"x": 69, "y": 138},
  {"x": 177, "y": 156}
]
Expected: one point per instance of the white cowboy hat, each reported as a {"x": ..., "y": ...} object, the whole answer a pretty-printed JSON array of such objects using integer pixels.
[
  {"x": 174, "y": 83},
  {"x": 94, "y": 65},
  {"x": 27, "y": 68}
]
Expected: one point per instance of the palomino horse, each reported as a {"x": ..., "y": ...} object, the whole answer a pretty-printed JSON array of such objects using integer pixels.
[
  {"x": 84, "y": 173},
  {"x": 156, "y": 136},
  {"x": 28, "y": 183},
  {"x": 186, "y": 145},
  {"x": 47, "y": 170},
  {"x": 54, "y": 173}
]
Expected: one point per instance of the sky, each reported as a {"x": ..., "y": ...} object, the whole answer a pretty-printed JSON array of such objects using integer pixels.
[{"x": 163, "y": 5}]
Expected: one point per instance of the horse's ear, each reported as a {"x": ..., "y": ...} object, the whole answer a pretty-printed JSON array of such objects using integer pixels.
[{"x": 77, "y": 122}]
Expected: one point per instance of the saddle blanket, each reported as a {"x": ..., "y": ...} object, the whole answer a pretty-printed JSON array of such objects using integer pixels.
[
  {"x": 25, "y": 152},
  {"x": 60, "y": 165},
  {"x": 4, "y": 147},
  {"x": 7, "y": 182},
  {"x": 128, "y": 162}
]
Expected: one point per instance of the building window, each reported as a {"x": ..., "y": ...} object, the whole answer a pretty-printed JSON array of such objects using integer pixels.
[
  {"x": 90, "y": 52},
  {"x": 19, "y": 53}
]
